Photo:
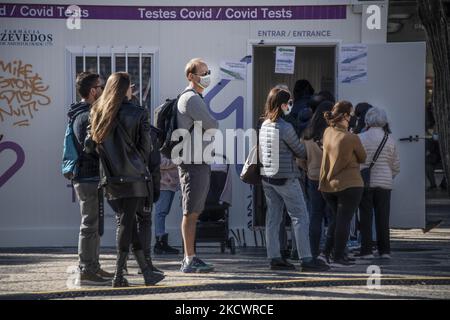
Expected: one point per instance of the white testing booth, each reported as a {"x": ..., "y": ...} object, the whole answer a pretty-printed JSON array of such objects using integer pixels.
[{"x": 41, "y": 52}]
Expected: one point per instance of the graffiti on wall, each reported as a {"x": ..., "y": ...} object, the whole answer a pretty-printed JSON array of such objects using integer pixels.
[
  {"x": 20, "y": 160},
  {"x": 22, "y": 92}
]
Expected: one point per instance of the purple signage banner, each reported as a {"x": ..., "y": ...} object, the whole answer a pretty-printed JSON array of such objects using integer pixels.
[{"x": 178, "y": 13}]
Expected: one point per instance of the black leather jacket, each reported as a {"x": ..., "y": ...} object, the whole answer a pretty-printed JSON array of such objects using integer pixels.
[{"x": 125, "y": 155}]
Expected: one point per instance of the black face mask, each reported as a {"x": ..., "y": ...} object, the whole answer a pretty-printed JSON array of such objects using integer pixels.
[{"x": 352, "y": 122}]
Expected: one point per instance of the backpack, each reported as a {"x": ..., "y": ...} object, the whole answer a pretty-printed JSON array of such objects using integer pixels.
[
  {"x": 166, "y": 123},
  {"x": 71, "y": 150},
  {"x": 70, "y": 153}
]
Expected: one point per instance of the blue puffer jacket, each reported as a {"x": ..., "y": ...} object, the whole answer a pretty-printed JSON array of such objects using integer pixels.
[{"x": 279, "y": 146}]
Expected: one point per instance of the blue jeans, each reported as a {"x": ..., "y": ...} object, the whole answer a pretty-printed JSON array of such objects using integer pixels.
[
  {"x": 162, "y": 209},
  {"x": 291, "y": 195},
  {"x": 319, "y": 211}
]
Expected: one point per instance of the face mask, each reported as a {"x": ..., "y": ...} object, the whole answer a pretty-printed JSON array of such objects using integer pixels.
[
  {"x": 289, "y": 109},
  {"x": 205, "y": 81}
]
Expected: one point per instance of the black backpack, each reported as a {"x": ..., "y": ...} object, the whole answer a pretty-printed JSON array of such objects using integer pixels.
[{"x": 166, "y": 123}]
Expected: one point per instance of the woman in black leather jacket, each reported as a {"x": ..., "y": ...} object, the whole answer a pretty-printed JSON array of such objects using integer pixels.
[{"x": 121, "y": 131}]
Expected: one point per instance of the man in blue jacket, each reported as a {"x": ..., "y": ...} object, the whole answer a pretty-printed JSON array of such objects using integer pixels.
[{"x": 85, "y": 182}]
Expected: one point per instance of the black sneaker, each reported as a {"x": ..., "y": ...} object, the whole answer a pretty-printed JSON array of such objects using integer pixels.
[
  {"x": 104, "y": 274},
  {"x": 315, "y": 265},
  {"x": 281, "y": 264},
  {"x": 285, "y": 254},
  {"x": 87, "y": 278},
  {"x": 348, "y": 258},
  {"x": 294, "y": 255},
  {"x": 166, "y": 249},
  {"x": 162, "y": 246},
  {"x": 154, "y": 269},
  {"x": 341, "y": 263}
]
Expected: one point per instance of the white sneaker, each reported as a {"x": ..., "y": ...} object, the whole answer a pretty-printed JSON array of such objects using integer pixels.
[
  {"x": 367, "y": 257},
  {"x": 386, "y": 256},
  {"x": 324, "y": 258}
]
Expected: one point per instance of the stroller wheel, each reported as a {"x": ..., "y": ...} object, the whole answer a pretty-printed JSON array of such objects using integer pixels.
[{"x": 232, "y": 246}]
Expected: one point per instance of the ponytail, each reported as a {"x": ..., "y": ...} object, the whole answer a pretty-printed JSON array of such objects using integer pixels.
[{"x": 339, "y": 111}]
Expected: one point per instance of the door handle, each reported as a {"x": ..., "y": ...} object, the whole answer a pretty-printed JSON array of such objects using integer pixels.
[{"x": 416, "y": 138}]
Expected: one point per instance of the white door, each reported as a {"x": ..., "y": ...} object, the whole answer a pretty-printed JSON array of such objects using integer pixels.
[{"x": 396, "y": 82}]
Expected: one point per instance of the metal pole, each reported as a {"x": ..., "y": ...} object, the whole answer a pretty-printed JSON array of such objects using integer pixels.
[
  {"x": 84, "y": 59},
  {"x": 98, "y": 61},
  {"x": 126, "y": 59}
]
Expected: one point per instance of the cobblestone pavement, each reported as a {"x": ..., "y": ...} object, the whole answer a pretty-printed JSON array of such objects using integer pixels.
[{"x": 419, "y": 269}]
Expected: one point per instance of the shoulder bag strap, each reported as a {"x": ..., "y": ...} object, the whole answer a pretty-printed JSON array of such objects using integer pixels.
[{"x": 380, "y": 148}]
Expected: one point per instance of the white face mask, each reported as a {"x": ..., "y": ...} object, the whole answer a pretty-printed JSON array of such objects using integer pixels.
[
  {"x": 205, "y": 81},
  {"x": 289, "y": 109}
]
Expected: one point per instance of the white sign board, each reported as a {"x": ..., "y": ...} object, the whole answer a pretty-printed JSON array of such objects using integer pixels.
[
  {"x": 285, "y": 60},
  {"x": 232, "y": 70},
  {"x": 353, "y": 63}
]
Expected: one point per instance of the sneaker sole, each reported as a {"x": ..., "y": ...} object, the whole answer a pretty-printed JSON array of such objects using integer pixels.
[
  {"x": 315, "y": 269},
  {"x": 282, "y": 268},
  {"x": 338, "y": 265},
  {"x": 93, "y": 283},
  {"x": 156, "y": 281},
  {"x": 366, "y": 258},
  {"x": 323, "y": 260},
  {"x": 198, "y": 271},
  {"x": 158, "y": 272}
]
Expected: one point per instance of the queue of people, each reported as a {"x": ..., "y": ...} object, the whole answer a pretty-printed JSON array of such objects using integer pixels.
[
  {"x": 317, "y": 178},
  {"x": 337, "y": 142}
]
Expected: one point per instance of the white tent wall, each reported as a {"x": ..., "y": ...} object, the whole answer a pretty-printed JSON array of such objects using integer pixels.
[{"x": 37, "y": 208}]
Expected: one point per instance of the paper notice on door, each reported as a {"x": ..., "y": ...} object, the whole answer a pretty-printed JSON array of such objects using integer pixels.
[
  {"x": 353, "y": 63},
  {"x": 230, "y": 70},
  {"x": 285, "y": 60}
]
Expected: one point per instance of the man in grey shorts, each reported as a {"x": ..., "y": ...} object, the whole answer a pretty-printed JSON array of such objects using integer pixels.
[{"x": 194, "y": 174}]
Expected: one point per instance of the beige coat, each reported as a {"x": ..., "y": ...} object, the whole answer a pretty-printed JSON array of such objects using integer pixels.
[
  {"x": 387, "y": 165},
  {"x": 342, "y": 155}
]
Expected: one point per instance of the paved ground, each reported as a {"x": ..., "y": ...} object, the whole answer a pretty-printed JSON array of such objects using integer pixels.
[{"x": 420, "y": 269}]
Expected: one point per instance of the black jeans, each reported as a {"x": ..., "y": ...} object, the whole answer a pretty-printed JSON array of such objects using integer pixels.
[
  {"x": 375, "y": 201},
  {"x": 144, "y": 229},
  {"x": 429, "y": 170},
  {"x": 343, "y": 205},
  {"x": 127, "y": 234},
  {"x": 318, "y": 212}
]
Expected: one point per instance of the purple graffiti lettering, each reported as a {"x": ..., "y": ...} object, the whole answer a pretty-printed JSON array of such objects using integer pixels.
[
  {"x": 237, "y": 105},
  {"x": 20, "y": 160}
]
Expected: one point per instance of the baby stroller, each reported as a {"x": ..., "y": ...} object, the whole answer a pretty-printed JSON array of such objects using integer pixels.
[{"x": 212, "y": 225}]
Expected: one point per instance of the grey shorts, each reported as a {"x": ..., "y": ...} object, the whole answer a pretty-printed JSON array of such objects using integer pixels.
[{"x": 194, "y": 182}]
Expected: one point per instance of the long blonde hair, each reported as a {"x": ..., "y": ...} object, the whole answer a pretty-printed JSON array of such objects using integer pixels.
[{"x": 105, "y": 108}]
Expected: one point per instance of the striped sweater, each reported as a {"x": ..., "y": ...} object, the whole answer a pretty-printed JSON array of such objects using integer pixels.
[{"x": 388, "y": 164}]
